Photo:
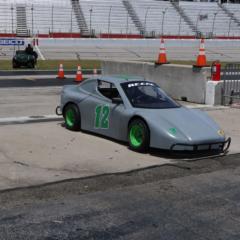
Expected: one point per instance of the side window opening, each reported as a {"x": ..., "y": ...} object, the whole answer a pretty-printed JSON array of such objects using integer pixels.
[{"x": 108, "y": 90}]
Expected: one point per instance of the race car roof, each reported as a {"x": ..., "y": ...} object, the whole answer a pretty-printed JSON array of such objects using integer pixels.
[{"x": 121, "y": 78}]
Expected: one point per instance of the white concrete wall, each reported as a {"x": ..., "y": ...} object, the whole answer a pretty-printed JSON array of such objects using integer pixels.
[
  {"x": 214, "y": 93},
  {"x": 179, "y": 81}
]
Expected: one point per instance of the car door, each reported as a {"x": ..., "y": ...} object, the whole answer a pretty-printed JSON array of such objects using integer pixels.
[{"x": 100, "y": 114}]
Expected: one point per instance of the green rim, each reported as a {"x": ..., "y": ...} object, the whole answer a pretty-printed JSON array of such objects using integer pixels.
[
  {"x": 70, "y": 117},
  {"x": 136, "y": 135}
]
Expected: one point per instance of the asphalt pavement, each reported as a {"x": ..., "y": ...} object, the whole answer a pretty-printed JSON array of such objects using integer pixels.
[
  {"x": 61, "y": 185},
  {"x": 192, "y": 200},
  {"x": 137, "y": 49},
  {"x": 33, "y": 82},
  {"x": 132, "y": 49},
  {"x": 44, "y": 151},
  {"x": 57, "y": 185},
  {"x": 11, "y": 74}
]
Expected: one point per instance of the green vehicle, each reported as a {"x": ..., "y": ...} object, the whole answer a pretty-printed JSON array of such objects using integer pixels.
[{"x": 24, "y": 59}]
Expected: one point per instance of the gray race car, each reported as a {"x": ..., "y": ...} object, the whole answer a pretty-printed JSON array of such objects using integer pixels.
[{"x": 139, "y": 112}]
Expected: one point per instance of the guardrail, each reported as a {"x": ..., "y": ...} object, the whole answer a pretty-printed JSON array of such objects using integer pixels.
[{"x": 231, "y": 83}]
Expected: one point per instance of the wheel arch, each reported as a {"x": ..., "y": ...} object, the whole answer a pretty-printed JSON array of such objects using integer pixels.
[
  {"x": 70, "y": 103},
  {"x": 144, "y": 120}
]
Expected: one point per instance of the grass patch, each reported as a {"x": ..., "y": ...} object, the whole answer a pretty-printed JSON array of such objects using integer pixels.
[
  {"x": 54, "y": 64},
  {"x": 85, "y": 64},
  {"x": 5, "y": 65}
]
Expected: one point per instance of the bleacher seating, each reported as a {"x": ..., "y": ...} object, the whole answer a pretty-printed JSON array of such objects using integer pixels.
[
  {"x": 42, "y": 2},
  {"x": 111, "y": 16},
  {"x": 235, "y": 9},
  {"x": 7, "y": 18},
  {"x": 202, "y": 14},
  {"x": 151, "y": 13},
  {"x": 119, "y": 19},
  {"x": 52, "y": 18}
]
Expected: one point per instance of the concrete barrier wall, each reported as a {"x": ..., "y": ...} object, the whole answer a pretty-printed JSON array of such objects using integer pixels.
[
  {"x": 135, "y": 42},
  {"x": 179, "y": 81}
]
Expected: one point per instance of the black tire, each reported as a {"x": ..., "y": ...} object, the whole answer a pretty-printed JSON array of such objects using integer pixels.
[
  {"x": 72, "y": 117},
  {"x": 15, "y": 65},
  {"x": 138, "y": 135},
  {"x": 30, "y": 65}
]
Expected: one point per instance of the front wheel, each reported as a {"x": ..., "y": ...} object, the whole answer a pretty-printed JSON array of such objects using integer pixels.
[
  {"x": 138, "y": 135},
  {"x": 30, "y": 64},
  {"x": 72, "y": 118}
]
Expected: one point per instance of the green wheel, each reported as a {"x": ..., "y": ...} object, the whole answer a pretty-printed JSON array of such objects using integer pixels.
[
  {"x": 72, "y": 117},
  {"x": 138, "y": 135}
]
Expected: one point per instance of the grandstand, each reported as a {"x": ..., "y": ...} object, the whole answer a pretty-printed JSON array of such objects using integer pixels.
[
  {"x": 160, "y": 17},
  {"x": 7, "y": 19},
  {"x": 210, "y": 19},
  {"x": 44, "y": 19},
  {"x": 110, "y": 17},
  {"x": 118, "y": 18}
]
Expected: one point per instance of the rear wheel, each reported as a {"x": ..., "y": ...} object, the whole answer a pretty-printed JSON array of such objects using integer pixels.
[
  {"x": 138, "y": 135},
  {"x": 72, "y": 118},
  {"x": 30, "y": 64}
]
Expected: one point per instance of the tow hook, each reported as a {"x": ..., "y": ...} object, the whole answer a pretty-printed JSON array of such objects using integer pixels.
[{"x": 58, "y": 111}]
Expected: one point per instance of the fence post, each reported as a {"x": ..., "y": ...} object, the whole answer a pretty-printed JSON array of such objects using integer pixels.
[
  {"x": 32, "y": 21},
  {"x": 109, "y": 19},
  {"x": 52, "y": 19},
  {"x": 12, "y": 17}
]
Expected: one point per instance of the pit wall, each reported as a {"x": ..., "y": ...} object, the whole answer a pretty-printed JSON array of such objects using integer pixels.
[{"x": 181, "y": 82}]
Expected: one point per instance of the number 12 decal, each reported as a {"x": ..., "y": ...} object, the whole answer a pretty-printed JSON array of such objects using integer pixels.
[{"x": 102, "y": 117}]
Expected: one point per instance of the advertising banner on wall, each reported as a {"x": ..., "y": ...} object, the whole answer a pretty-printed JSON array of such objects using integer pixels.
[{"x": 11, "y": 42}]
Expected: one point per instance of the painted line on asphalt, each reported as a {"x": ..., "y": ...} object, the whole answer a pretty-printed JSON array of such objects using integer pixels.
[
  {"x": 40, "y": 53},
  {"x": 205, "y": 107},
  {"x": 30, "y": 119},
  {"x": 36, "y": 77}
]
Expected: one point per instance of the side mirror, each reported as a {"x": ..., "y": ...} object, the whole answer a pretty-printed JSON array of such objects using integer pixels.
[{"x": 117, "y": 100}]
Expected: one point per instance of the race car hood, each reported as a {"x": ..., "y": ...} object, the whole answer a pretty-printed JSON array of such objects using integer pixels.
[{"x": 188, "y": 125}]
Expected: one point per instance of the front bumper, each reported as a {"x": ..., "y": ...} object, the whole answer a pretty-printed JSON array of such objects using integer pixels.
[{"x": 216, "y": 146}]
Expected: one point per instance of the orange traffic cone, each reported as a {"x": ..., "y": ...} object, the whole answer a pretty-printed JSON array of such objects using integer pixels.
[
  {"x": 60, "y": 72},
  {"x": 162, "y": 57},
  {"x": 201, "y": 59},
  {"x": 79, "y": 76}
]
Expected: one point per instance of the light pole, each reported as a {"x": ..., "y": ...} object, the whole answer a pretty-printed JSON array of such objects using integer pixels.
[
  {"x": 90, "y": 13},
  {"x": 179, "y": 26},
  {"x": 198, "y": 17},
  {"x": 52, "y": 19},
  {"x": 229, "y": 27},
  {"x": 32, "y": 19},
  {"x": 109, "y": 19},
  {"x": 145, "y": 20},
  {"x": 214, "y": 18},
  {"x": 163, "y": 16},
  {"x": 127, "y": 26},
  {"x": 71, "y": 22},
  {"x": 12, "y": 17}
]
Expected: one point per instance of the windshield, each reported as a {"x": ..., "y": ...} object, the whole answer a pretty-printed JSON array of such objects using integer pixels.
[{"x": 147, "y": 95}]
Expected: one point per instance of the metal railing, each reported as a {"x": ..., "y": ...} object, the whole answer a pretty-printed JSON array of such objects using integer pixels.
[{"x": 231, "y": 83}]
